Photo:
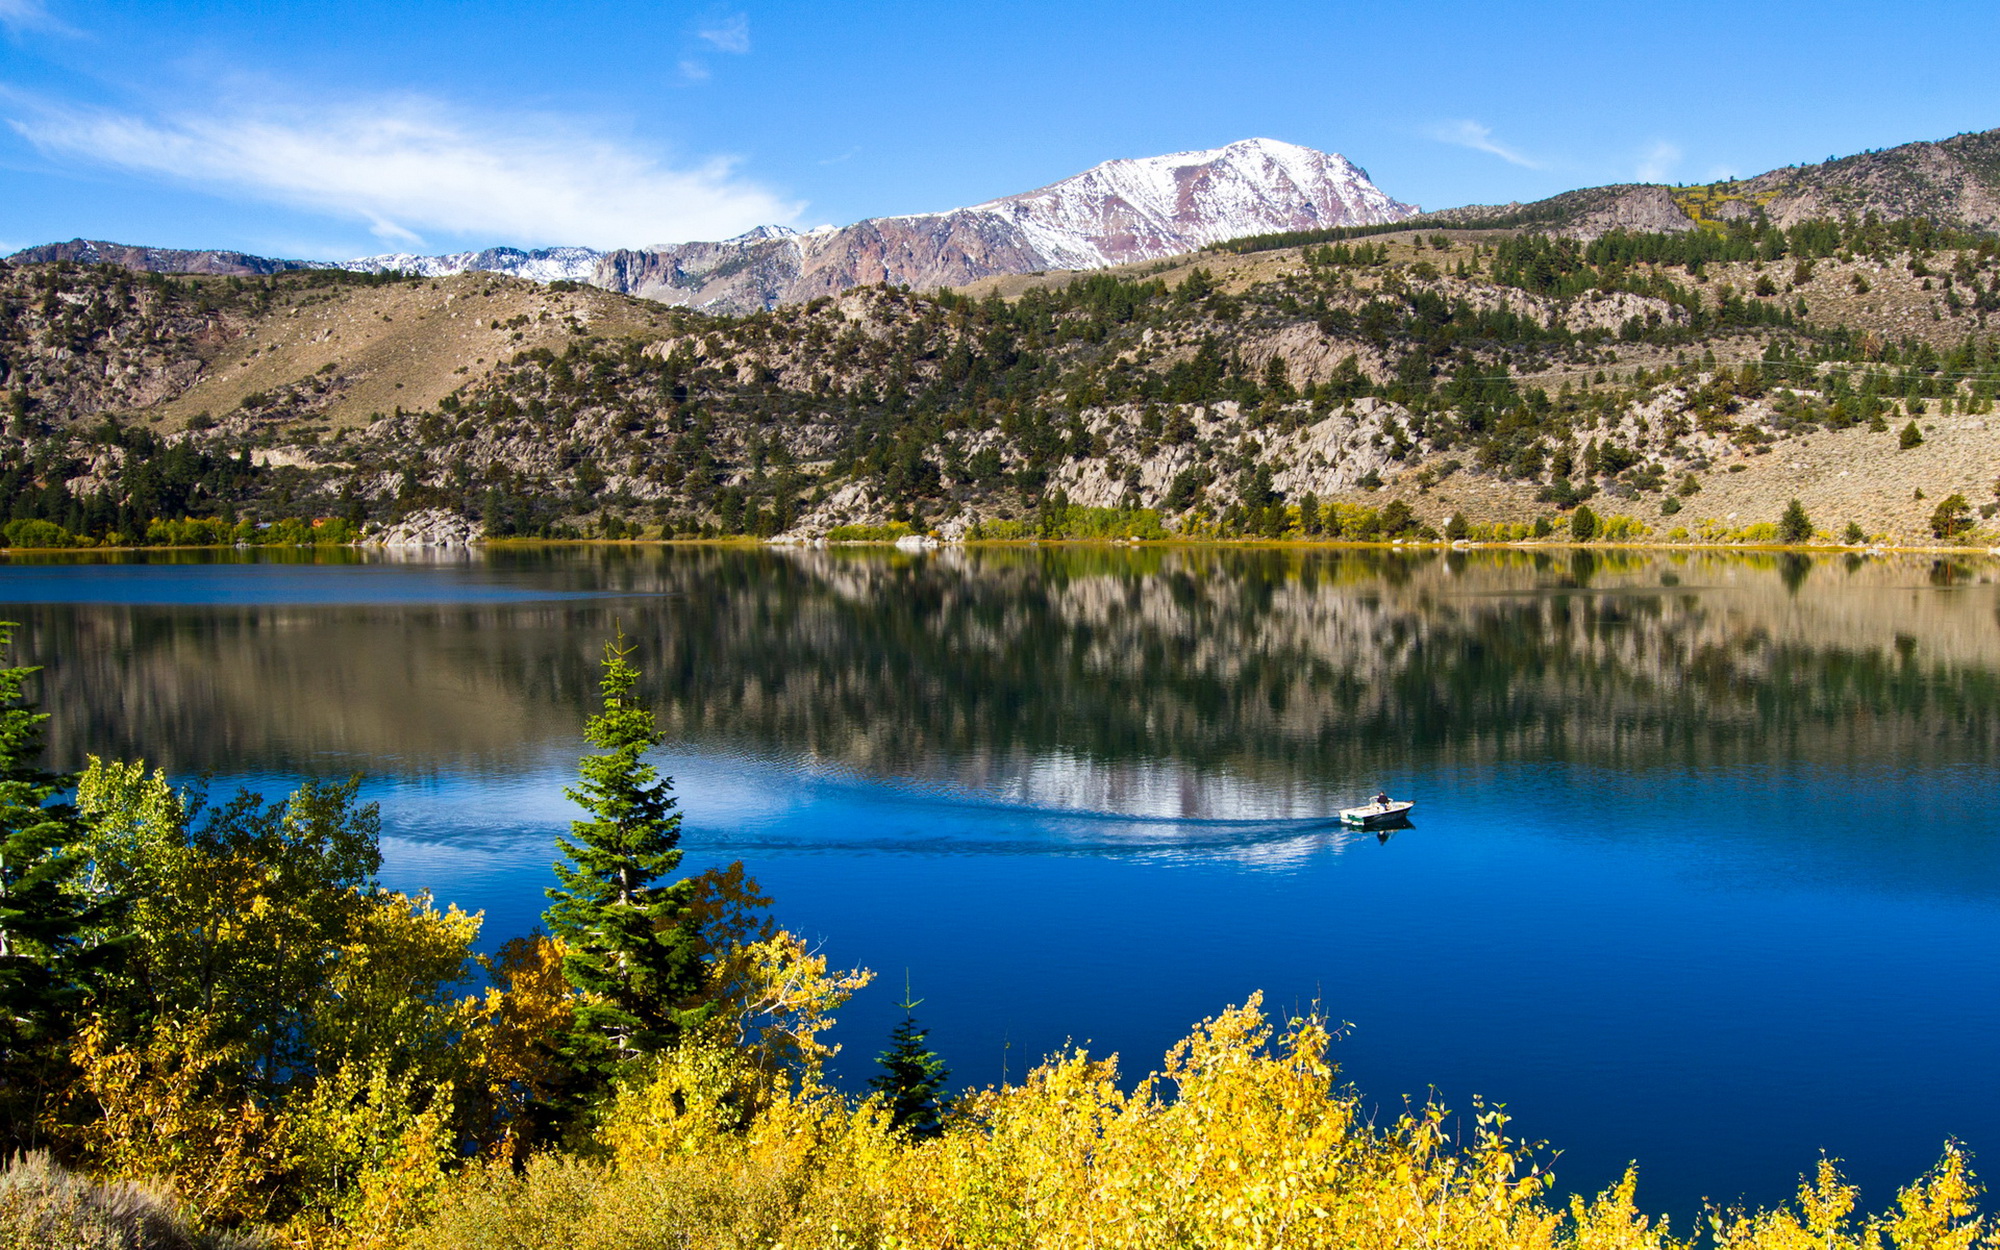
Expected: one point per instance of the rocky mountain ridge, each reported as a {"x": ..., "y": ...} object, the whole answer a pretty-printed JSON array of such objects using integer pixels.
[
  {"x": 1952, "y": 183},
  {"x": 1114, "y": 213},
  {"x": 141, "y": 259},
  {"x": 542, "y": 264}
]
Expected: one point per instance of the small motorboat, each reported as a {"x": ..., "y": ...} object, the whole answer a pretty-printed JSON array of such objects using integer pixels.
[{"x": 1382, "y": 813}]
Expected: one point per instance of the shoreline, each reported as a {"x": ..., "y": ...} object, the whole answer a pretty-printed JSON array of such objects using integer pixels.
[{"x": 906, "y": 545}]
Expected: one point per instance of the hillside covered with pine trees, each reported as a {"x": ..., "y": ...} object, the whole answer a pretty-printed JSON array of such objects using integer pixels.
[{"x": 1457, "y": 382}]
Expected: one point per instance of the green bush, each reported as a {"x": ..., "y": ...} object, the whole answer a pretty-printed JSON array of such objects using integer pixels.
[
  {"x": 334, "y": 532},
  {"x": 37, "y": 534},
  {"x": 869, "y": 533},
  {"x": 191, "y": 532},
  {"x": 1007, "y": 531},
  {"x": 1076, "y": 522},
  {"x": 289, "y": 532},
  {"x": 1583, "y": 524},
  {"x": 1910, "y": 437}
]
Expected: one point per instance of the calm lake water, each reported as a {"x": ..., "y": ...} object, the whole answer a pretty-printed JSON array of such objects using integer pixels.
[{"x": 1704, "y": 871}]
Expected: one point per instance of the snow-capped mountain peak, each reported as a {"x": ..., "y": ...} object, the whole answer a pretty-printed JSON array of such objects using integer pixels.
[
  {"x": 1117, "y": 212},
  {"x": 758, "y": 233},
  {"x": 1138, "y": 209},
  {"x": 542, "y": 264},
  {"x": 1121, "y": 211}
]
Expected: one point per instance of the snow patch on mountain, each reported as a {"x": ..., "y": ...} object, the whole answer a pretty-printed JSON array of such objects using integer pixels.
[
  {"x": 1166, "y": 205},
  {"x": 1157, "y": 206},
  {"x": 543, "y": 264}
]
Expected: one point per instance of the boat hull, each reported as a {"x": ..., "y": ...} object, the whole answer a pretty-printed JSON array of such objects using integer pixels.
[{"x": 1377, "y": 815}]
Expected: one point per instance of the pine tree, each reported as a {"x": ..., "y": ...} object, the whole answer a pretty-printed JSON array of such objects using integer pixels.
[
  {"x": 913, "y": 1077},
  {"x": 1952, "y": 517},
  {"x": 1795, "y": 526},
  {"x": 43, "y": 919},
  {"x": 630, "y": 952}
]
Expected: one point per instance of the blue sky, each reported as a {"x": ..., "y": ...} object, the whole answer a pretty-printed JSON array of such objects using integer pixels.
[{"x": 333, "y": 130}]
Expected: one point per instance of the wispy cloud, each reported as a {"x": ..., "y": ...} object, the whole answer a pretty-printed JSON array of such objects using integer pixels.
[
  {"x": 406, "y": 165},
  {"x": 727, "y": 34},
  {"x": 1657, "y": 162},
  {"x": 693, "y": 70},
  {"x": 1470, "y": 134},
  {"x": 23, "y": 15}
]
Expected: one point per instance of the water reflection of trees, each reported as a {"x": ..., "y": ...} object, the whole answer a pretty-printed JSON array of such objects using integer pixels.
[{"x": 1264, "y": 661}]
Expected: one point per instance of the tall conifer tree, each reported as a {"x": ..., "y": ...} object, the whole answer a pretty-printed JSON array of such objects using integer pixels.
[
  {"x": 913, "y": 1077},
  {"x": 43, "y": 920},
  {"x": 629, "y": 951},
  {"x": 1795, "y": 526}
]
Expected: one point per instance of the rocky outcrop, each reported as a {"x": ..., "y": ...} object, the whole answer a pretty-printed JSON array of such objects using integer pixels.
[
  {"x": 431, "y": 527},
  {"x": 1636, "y": 210},
  {"x": 1583, "y": 214},
  {"x": 1954, "y": 182},
  {"x": 752, "y": 270}
]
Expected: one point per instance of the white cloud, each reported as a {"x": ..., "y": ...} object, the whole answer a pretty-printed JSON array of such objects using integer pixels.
[
  {"x": 1657, "y": 163},
  {"x": 408, "y": 164},
  {"x": 730, "y": 34},
  {"x": 1470, "y": 134},
  {"x": 693, "y": 70},
  {"x": 20, "y": 15}
]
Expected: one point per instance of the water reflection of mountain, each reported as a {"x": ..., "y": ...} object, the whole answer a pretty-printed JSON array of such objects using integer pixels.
[{"x": 1001, "y": 667}]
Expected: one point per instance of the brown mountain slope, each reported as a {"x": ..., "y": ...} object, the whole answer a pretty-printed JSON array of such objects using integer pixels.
[
  {"x": 100, "y": 340},
  {"x": 1953, "y": 183},
  {"x": 368, "y": 350},
  {"x": 1353, "y": 377},
  {"x": 155, "y": 259}
]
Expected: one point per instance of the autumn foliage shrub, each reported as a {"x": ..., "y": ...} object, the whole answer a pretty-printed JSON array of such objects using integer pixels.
[{"x": 1244, "y": 1139}]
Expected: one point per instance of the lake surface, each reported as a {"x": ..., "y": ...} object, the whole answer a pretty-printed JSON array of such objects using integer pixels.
[{"x": 1704, "y": 871}]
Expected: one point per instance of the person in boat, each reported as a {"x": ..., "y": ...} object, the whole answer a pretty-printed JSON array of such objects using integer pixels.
[{"x": 1382, "y": 799}]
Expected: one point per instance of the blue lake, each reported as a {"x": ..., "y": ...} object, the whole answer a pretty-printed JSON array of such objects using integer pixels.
[{"x": 1704, "y": 870}]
